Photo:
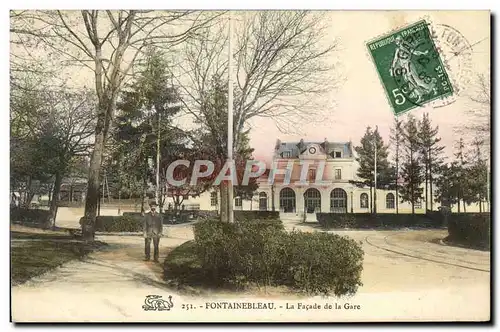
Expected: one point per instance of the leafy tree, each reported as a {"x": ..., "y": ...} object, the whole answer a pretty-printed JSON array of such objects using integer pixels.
[
  {"x": 146, "y": 108},
  {"x": 366, "y": 160},
  {"x": 476, "y": 175},
  {"x": 447, "y": 182},
  {"x": 461, "y": 174},
  {"x": 431, "y": 154},
  {"x": 212, "y": 139},
  {"x": 108, "y": 44},
  {"x": 411, "y": 168}
]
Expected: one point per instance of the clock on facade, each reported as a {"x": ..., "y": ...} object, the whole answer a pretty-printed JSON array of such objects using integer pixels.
[{"x": 312, "y": 150}]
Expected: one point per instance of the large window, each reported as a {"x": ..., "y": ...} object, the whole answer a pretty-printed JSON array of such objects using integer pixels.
[
  {"x": 338, "y": 200},
  {"x": 363, "y": 201},
  {"x": 338, "y": 174},
  {"x": 312, "y": 200},
  {"x": 287, "y": 200},
  {"x": 263, "y": 201},
  {"x": 389, "y": 201},
  {"x": 213, "y": 198}
]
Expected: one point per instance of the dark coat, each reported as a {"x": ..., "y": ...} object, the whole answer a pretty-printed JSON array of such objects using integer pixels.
[{"x": 153, "y": 225}]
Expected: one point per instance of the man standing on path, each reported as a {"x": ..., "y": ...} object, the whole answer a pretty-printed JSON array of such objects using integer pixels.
[{"x": 153, "y": 229}]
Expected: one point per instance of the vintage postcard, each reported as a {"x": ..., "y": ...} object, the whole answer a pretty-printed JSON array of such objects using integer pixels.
[{"x": 250, "y": 166}]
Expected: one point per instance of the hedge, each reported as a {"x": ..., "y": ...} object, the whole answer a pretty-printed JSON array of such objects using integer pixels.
[
  {"x": 36, "y": 216},
  {"x": 256, "y": 215},
  {"x": 117, "y": 224},
  {"x": 262, "y": 252},
  {"x": 470, "y": 229},
  {"x": 178, "y": 217},
  {"x": 386, "y": 221}
]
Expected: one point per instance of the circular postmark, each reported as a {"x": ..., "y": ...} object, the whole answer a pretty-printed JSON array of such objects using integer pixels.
[
  {"x": 457, "y": 52},
  {"x": 432, "y": 65}
]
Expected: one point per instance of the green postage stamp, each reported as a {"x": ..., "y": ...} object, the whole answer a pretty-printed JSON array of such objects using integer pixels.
[{"x": 410, "y": 67}]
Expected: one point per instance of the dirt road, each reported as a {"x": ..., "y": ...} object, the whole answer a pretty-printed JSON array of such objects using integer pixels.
[{"x": 407, "y": 276}]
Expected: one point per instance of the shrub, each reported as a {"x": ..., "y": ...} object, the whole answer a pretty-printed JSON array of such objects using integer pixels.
[
  {"x": 256, "y": 215},
  {"x": 263, "y": 253},
  {"x": 384, "y": 220},
  {"x": 323, "y": 263},
  {"x": 35, "y": 216},
  {"x": 136, "y": 215},
  {"x": 471, "y": 229},
  {"x": 183, "y": 264}
]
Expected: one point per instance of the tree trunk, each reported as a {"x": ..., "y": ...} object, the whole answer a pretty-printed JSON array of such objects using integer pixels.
[
  {"x": 51, "y": 189},
  {"x": 224, "y": 206},
  {"x": 397, "y": 186},
  {"x": 430, "y": 187},
  {"x": 93, "y": 184},
  {"x": 144, "y": 187},
  {"x": 412, "y": 195},
  {"x": 465, "y": 210},
  {"x": 51, "y": 222},
  {"x": 480, "y": 206},
  {"x": 119, "y": 201},
  {"x": 426, "y": 186}
]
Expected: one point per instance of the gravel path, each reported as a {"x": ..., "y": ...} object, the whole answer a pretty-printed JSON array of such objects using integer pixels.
[{"x": 407, "y": 277}]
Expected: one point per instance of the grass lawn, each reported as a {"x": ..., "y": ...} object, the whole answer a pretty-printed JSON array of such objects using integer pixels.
[{"x": 33, "y": 254}]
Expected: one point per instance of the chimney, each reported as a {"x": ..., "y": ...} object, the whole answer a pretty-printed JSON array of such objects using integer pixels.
[{"x": 278, "y": 144}]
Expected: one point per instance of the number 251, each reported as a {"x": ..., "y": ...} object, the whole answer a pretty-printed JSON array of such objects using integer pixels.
[{"x": 399, "y": 98}]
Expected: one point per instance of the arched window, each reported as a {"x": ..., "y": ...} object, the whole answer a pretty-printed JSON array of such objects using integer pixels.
[
  {"x": 312, "y": 200},
  {"x": 338, "y": 201},
  {"x": 237, "y": 202},
  {"x": 389, "y": 201},
  {"x": 213, "y": 198},
  {"x": 262, "y": 201},
  {"x": 287, "y": 200},
  {"x": 363, "y": 201}
]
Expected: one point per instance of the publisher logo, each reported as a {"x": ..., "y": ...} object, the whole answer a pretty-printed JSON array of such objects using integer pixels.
[{"x": 156, "y": 303}]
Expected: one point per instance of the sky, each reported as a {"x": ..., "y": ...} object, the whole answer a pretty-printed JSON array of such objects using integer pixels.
[{"x": 360, "y": 100}]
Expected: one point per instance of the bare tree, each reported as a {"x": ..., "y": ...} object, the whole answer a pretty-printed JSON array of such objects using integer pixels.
[
  {"x": 481, "y": 113},
  {"x": 283, "y": 66},
  {"x": 108, "y": 43},
  {"x": 480, "y": 109}
]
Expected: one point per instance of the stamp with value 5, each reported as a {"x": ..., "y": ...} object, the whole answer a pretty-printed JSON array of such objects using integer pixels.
[{"x": 410, "y": 67}]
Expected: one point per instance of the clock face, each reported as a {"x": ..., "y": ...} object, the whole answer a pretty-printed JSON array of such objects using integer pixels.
[{"x": 312, "y": 150}]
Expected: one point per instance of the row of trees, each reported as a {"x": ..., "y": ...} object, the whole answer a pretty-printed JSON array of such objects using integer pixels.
[
  {"x": 418, "y": 170},
  {"x": 281, "y": 66},
  {"x": 51, "y": 132}
]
